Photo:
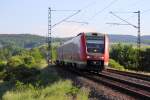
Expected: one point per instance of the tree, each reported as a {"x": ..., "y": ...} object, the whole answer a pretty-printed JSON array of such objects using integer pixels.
[{"x": 126, "y": 55}]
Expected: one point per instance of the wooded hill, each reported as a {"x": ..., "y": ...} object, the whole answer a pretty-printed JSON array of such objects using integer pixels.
[{"x": 30, "y": 41}]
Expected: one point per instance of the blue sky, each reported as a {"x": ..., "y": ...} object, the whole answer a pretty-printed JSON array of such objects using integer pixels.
[{"x": 30, "y": 16}]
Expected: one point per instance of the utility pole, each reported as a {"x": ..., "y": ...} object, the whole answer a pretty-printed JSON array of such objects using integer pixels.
[
  {"x": 138, "y": 27},
  {"x": 49, "y": 38},
  {"x": 50, "y": 26},
  {"x": 139, "y": 39}
]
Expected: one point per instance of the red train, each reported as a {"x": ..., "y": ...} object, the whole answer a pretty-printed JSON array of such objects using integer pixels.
[{"x": 87, "y": 51}]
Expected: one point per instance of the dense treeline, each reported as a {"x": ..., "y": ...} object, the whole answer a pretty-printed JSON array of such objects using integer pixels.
[
  {"x": 145, "y": 59},
  {"x": 30, "y": 41},
  {"x": 126, "y": 55},
  {"x": 21, "y": 40},
  {"x": 9, "y": 50}
]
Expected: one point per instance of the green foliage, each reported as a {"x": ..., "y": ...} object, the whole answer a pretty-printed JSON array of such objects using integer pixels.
[
  {"x": 31, "y": 58},
  {"x": 14, "y": 61},
  {"x": 2, "y": 65},
  {"x": 21, "y": 73},
  {"x": 116, "y": 65},
  {"x": 145, "y": 59},
  {"x": 8, "y": 51},
  {"x": 31, "y": 82},
  {"x": 83, "y": 94},
  {"x": 54, "y": 54},
  {"x": 126, "y": 55},
  {"x": 35, "y": 52},
  {"x": 23, "y": 65},
  {"x": 28, "y": 60},
  {"x": 61, "y": 90}
]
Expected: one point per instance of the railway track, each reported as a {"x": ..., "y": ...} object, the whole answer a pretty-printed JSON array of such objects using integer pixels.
[
  {"x": 130, "y": 74},
  {"x": 129, "y": 87}
]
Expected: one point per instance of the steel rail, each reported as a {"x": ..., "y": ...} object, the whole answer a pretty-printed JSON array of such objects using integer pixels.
[
  {"x": 131, "y": 88},
  {"x": 130, "y": 74}
]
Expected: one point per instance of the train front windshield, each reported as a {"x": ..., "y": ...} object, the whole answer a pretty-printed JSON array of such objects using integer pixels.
[{"x": 95, "y": 44}]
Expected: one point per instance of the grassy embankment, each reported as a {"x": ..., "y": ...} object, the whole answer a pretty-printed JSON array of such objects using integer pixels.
[
  {"x": 26, "y": 77},
  {"x": 48, "y": 85}
]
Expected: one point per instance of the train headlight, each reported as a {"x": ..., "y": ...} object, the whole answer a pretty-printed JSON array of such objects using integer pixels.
[
  {"x": 101, "y": 57},
  {"x": 95, "y": 50},
  {"x": 88, "y": 57}
]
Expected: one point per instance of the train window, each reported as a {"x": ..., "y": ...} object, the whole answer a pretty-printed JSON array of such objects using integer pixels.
[
  {"x": 95, "y": 34},
  {"x": 95, "y": 48},
  {"x": 95, "y": 37},
  {"x": 95, "y": 44}
]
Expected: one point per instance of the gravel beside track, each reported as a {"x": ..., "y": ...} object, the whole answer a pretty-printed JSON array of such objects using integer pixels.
[{"x": 98, "y": 91}]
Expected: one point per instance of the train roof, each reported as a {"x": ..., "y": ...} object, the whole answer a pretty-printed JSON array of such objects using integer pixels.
[
  {"x": 91, "y": 34},
  {"x": 86, "y": 33}
]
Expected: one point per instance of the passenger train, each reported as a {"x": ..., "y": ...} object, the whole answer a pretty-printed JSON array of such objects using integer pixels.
[{"x": 86, "y": 51}]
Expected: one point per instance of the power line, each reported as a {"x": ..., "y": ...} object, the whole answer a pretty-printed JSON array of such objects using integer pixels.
[
  {"x": 77, "y": 12},
  {"x": 110, "y": 4},
  {"x": 123, "y": 20},
  {"x": 77, "y": 22},
  {"x": 145, "y": 11},
  {"x": 117, "y": 23},
  {"x": 66, "y": 18},
  {"x": 64, "y": 10},
  {"x": 139, "y": 33},
  {"x": 125, "y": 12}
]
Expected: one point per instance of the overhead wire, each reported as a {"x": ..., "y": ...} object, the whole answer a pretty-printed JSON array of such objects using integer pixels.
[
  {"x": 66, "y": 18},
  {"x": 90, "y": 4},
  {"x": 77, "y": 12},
  {"x": 110, "y": 4},
  {"x": 123, "y": 20},
  {"x": 83, "y": 8},
  {"x": 145, "y": 11}
]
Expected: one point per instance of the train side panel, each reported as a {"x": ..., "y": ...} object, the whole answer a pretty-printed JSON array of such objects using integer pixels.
[
  {"x": 106, "y": 51},
  {"x": 72, "y": 52}
]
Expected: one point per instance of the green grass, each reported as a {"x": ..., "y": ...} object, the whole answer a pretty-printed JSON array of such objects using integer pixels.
[
  {"x": 49, "y": 86},
  {"x": 116, "y": 65},
  {"x": 61, "y": 90}
]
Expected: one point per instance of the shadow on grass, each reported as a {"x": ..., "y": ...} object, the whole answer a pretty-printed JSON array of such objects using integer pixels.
[{"x": 35, "y": 77}]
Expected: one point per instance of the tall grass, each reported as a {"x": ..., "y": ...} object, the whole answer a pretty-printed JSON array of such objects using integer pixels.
[
  {"x": 61, "y": 90},
  {"x": 116, "y": 65}
]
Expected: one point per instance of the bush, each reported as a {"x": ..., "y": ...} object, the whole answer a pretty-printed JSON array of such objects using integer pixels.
[
  {"x": 14, "y": 61},
  {"x": 29, "y": 61},
  {"x": 22, "y": 73},
  {"x": 114, "y": 64},
  {"x": 61, "y": 90},
  {"x": 126, "y": 55},
  {"x": 2, "y": 65},
  {"x": 145, "y": 59}
]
